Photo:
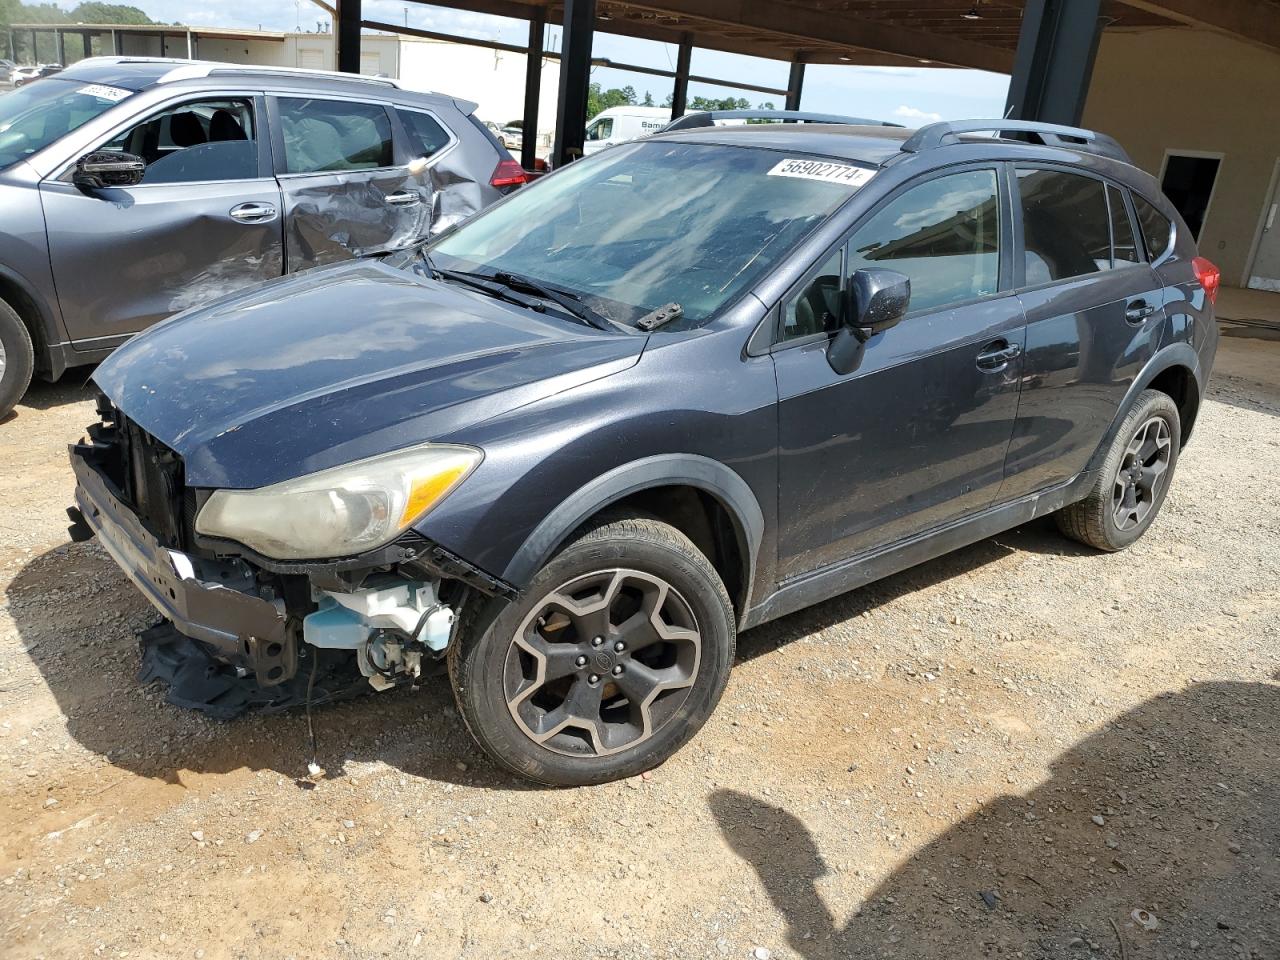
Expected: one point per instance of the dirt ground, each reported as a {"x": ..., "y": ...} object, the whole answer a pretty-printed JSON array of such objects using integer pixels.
[{"x": 1003, "y": 753}]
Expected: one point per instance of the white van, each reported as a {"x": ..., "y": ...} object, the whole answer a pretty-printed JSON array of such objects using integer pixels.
[{"x": 619, "y": 124}]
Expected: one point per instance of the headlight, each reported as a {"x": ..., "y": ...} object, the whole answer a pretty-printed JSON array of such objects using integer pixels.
[{"x": 341, "y": 511}]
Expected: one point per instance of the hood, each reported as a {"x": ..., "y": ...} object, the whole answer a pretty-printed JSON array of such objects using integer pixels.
[{"x": 342, "y": 363}]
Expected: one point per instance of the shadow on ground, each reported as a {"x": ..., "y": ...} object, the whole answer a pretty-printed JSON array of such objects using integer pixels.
[
  {"x": 1188, "y": 786},
  {"x": 77, "y": 616}
]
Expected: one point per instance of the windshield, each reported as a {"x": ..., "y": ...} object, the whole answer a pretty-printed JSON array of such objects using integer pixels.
[
  {"x": 34, "y": 116},
  {"x": 643, "y": 225}
]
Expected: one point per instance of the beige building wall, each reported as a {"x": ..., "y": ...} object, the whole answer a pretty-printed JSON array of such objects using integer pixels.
[
  {"x": 1186, "y": 89},
  {"x": 379, "y": 53}
]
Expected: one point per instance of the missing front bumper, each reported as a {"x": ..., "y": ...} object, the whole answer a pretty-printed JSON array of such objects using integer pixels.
[{"x": 209, "y": 601}]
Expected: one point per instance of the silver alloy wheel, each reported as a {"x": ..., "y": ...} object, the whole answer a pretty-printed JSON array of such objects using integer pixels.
[
  {"x": 1143, "y": 469},
  {"x": 602, "y": 663},
  {"x": 4, "y": 361}
]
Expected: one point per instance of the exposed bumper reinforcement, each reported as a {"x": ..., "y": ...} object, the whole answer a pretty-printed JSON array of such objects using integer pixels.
[{"x": 200, "y": 597}]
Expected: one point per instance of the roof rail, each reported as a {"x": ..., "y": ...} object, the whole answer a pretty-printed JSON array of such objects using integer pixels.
[
  {"x": 1049, "y": 134},
  {"x": 707, "y": 118},
  {"x": 197, "y": 69}
]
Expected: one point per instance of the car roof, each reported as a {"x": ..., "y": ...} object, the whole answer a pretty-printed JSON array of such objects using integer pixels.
[
  {"x": 141, "y": 73},
  {"x": 877, "y": 145},
  {"x": 872, "y": 145}
]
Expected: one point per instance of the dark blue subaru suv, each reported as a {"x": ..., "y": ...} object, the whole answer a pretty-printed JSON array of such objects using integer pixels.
[{"x": 566, "y": 451}]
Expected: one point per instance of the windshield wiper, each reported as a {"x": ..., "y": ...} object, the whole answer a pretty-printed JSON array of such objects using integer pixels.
[
  {"x": 569, "y": 302},
  {"x": 492, "y": 284}
]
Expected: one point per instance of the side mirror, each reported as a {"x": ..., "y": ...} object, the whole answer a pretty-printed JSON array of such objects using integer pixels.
[
  {"x": 109, "y": 168},
  {"x": 876, "y": 300}
]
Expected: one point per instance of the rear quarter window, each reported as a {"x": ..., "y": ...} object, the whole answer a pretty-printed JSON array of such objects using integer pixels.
[
  {"x": 1156, "y": 227},
  {"x": 427, "y": 135}
]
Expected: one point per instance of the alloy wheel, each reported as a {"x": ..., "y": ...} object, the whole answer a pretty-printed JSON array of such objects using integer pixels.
[
  {"x": 602, "y": 663},
  {"x": 1142, "y": 472}
]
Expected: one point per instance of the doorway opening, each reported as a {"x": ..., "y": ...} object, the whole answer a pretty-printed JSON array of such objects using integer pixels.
[
  {"x": 1188, "y": 180},
  {"x": 1264, "y": 258}
]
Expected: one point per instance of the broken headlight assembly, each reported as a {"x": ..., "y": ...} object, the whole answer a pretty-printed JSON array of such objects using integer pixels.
[{"x": 341, "y": 511}]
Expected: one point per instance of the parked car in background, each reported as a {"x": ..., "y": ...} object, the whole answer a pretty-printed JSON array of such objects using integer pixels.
[
  {"x": 503, "y": 135},
  {"x": 620, "y": 124},
  {"x": 24, "y": 75},
  {"x": 513, "y": 137},
  {"x": 6, "y": 70},
  {"x": 699, "y": 381},
  {"x": 132, "y": 189}
]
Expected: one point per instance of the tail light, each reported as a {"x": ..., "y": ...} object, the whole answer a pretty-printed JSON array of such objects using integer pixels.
[
  {"x": 1209, "y": 275},
  {"x": 508, "y": 173}
]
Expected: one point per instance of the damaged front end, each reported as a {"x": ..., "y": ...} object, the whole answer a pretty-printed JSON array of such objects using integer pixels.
[{"x": 238, "y": 626}]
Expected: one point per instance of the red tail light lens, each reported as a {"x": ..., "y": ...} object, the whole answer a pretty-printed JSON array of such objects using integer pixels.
[
  {"x": 508, "y": 173},
  {"x": 1209, "y": 275}
]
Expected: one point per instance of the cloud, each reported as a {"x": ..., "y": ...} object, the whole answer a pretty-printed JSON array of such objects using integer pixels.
[{"x": 912, "y": 113}]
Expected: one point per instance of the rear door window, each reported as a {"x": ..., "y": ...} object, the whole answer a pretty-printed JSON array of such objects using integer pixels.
[
  {"x": 1066, "y": 225},
  {"x": 323, "y": 136},
  {"x": 427, "y": 135},
  {"x": 1156, "y": 227}
]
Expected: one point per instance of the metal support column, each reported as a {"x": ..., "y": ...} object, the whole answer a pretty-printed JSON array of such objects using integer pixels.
[
  {"x": 347, "y": 30},
  {"x": 532, "y": 87},
  {"x": 1054, "y": 61},
  {"x": 115, "y": 43},
  {"x": 680, "y": 92},
  {"x": 59, "y": 48},
  {"x": 795, "y": 85},
  {"x": 575, "y": 78}
]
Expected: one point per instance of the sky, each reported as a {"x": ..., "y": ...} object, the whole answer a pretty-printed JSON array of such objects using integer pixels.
[{"x": 911, "y": 96}]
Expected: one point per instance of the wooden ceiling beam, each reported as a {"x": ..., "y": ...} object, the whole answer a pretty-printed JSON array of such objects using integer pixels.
[
  {"x": 804, "y": 23},
  {"x": 1255, "y": 21}
]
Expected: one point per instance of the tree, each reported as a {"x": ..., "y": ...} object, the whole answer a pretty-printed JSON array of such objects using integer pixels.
[
  {"x": 648, "y": 99},
  {"x": 725, "y": 103},
  {"x": 93, "y": 12},
  {"x": 599, "y": 100}
]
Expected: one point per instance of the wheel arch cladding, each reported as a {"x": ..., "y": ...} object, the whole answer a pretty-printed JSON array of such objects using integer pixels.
[
  {"x": 35, "y": 317},
  {"x": 1175, "y": 370},
  {"x": 694, "y": 494}
]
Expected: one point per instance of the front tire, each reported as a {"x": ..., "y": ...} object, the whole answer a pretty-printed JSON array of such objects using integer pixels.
[
  {"x": 17, "y": 358},
  {"x": 1134, "y": 478},
  {"x": 611, "y": 661}
]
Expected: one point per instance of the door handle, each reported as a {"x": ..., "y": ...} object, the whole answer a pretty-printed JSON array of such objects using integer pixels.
[
  {"x": 995, "y": 356},
  {"x": 253, "y": 212},
  {"x": 403, "y": 198},
  {"x": 1138, "y": 310}
]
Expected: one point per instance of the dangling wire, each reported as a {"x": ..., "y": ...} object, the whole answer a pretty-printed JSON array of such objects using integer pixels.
[{"x": 313, "y": 767}]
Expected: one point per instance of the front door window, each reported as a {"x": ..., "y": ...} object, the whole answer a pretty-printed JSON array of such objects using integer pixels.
[{"x": 197, "y": 141}]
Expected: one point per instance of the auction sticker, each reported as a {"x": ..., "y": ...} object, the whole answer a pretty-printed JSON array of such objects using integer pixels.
[
  {"x": 842, "y": 173},
  {"x": 103, "y": 92}
]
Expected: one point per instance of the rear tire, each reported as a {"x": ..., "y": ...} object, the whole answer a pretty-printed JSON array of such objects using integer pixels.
[
  {"x": 610, "y": 661},
  {"x": 1135, "y": 477},
  {"x": 17, "y": 358}
]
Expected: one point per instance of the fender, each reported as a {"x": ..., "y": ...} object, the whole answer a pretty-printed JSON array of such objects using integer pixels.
[
  {"x": 46, "y": 334},
  {"x": 668, "y": 469},
  {"x": 1180, "y": 354}
]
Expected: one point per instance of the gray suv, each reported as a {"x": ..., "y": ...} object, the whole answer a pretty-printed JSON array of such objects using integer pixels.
[{"x": 132, "y": 189}]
